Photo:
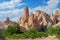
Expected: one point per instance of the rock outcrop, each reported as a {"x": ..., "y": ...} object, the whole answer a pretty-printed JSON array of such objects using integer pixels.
[
  {"x": 7, "y": 21},
  {"x": 57, "y": 13},
  {"x": 5, "y": 24},
  {"x": 53, "y": 19},
  {"x": 39, "y": 20}
]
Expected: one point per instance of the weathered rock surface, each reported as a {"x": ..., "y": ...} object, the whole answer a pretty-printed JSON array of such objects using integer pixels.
[
  {"x": 38, "y": 20},
  {"x": 57, "y": 13}
]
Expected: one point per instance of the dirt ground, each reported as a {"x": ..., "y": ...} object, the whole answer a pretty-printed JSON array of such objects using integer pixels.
[{"x": 46, "y": 38}]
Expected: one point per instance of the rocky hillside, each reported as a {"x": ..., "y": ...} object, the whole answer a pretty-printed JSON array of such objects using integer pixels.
[{"x": 39, "y": 20}]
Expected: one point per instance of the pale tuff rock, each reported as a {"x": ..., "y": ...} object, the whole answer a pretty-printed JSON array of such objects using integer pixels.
[
  {"x": 31, "y": 20},
  {"x": 26, "y": 14},
  {"x": 37, "y": 13},
  {"x": 57, "y": 13},
  {"x": 53, "y": 19},
  {"x": 23, "y": 22},
  {"x": 43, "y": 18},
  {"x": 38, "y": 20}
]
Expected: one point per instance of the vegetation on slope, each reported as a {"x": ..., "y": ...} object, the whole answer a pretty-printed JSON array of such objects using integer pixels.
[{"x": 11, "y": 32}]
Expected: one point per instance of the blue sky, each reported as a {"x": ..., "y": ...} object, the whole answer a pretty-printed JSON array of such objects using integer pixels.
[{"x": 14, "y": 8}]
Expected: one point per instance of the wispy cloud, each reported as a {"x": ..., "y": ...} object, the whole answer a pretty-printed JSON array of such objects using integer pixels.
[
  {"x": 52, "y": 5},
  {"x": 11, "y": 4},
  {"x": 12, "y": 14},
  {"x": 16, "y": 13}
]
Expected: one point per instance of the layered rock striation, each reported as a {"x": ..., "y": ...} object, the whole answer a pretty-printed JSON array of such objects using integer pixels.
[{"x": 39, "y": 20}]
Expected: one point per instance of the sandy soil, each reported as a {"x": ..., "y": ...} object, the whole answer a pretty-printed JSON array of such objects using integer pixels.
[{"x": 46, "y": 38}]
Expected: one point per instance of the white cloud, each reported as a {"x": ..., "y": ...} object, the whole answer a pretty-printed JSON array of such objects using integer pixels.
[
  {"x": 15, "y": 19},
  {"x": 52, "y": 5},
  {"x": 11, "y": 4},
  {"x": 13, "y": 14},
  {"x": 16, "y": 13}
]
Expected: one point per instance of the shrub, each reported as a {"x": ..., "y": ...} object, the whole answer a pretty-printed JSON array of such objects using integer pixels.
[
  {"x": 42, "y": 34},
  {"x": 12, "y": 29},
  {"x": 54, "y": 31},
  {"x": 50, "y": 31},
  {"x": 57, "y": 30},
  {"x": 31, "y": 33},
  {"x": 16, "y": 36},
  {"x": 1, "y": 31}
]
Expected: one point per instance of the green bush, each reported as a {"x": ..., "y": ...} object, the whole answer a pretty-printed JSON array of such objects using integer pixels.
[
  {"x": 42, "y": 34},
  {"x": 16, "y": 36},
  {"x": 54, "y": 31},
  {"x": 31, "y": 33},
  {"x": 57, "y": 31},
  {"x": 50, "y": 31},
  {"x": 12, "y": 29}
]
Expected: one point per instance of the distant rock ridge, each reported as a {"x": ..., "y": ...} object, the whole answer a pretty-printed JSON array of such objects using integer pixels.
[
  {"x": 7, "y": 21},
  {"x": 5, "y": 24},
  {"x": 38, "y": 20}
]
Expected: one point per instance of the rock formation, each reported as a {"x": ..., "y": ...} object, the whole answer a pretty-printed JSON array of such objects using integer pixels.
[
  {"x": 23, "y": 22},
  {"x": 7, "y": 21},
  {"x": 26, "y": 14},
  {"x": 53, "y": 19},
  {"x": 57, "y": 13},
  {"x": 5, "y": 24},
  {"x": 38, "y": 20}
]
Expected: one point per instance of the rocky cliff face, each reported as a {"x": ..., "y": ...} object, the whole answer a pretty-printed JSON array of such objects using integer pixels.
[{"x": 38, "y": 20}]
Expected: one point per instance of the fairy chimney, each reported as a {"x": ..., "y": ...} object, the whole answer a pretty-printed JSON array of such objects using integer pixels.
[
  {"x": 7, "y": 21},
  {"x": 38, "y": 20},
  {"x": 26, "y": 14}
]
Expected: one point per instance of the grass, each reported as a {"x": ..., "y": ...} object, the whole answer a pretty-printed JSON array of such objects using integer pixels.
[{"x": 31, "y": 33}]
